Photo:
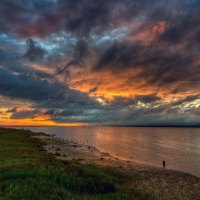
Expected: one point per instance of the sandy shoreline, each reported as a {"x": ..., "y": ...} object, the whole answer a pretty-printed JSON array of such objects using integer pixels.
[{"x": 67, "y": 150}]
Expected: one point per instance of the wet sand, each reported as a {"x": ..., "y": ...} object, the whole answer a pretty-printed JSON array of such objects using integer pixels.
[{"x": 69, "y": 150}]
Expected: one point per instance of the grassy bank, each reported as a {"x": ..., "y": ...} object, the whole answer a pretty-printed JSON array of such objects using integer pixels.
[{"x": 29, "y": 172}]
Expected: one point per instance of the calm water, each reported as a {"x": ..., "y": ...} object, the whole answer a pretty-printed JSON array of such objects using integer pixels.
[{"x": 179, "y": 147}]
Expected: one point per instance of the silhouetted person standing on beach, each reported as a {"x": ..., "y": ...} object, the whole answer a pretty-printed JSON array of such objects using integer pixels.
[{"x": 164, "y": 164}]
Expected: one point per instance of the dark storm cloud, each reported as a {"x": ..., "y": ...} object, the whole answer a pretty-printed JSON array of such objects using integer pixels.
[
  {"x": 120, "y": 102},
  {"x": 119, "y": 56},
  {"x": 65, "y": 112},
  {"x": 41, "y": 92},
  {"x": 12, "y": 110},
  {"x": 24, "y": 114},
  {"x": 80, "y": 54},
  {"x": 169, "y": 58},
  {"x": 157, "y": 65},
  {"x": 25, "y": 87},
  {"x": 17, "y": 58},
  {"x": 148, "y": 98},
  {"x": 30, "y": 18},
  {"x": 39, "y": 18},
  {"x": 63, "y": 34},
  {"x": 90, "y": 16},
  {"x": 83, "y": 17},
  {"x": 34, "y": 51},
  {"x": 186, "y": 27}
]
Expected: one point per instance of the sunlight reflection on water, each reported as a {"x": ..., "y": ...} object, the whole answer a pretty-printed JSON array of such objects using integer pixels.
[{"x": 179, "y": 147}]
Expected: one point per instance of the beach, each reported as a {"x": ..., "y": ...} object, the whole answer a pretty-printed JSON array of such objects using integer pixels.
[
  {"x": 162, "y": 183},
  {"x": 178, "y": 147}
]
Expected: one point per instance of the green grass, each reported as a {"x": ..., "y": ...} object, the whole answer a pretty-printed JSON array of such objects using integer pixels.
[{"x": 28, "y": 172}]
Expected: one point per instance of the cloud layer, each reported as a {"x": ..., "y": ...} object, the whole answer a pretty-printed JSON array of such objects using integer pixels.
[{"x": 120, "y": 62}]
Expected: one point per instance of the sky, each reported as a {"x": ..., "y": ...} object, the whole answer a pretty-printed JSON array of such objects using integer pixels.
[{"x": 95, "y": 62}]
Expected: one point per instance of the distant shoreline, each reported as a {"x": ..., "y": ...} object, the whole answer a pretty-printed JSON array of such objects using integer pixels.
[
  {"x": 161, "y": 126},
  {"x": 136, "y": 126}
]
